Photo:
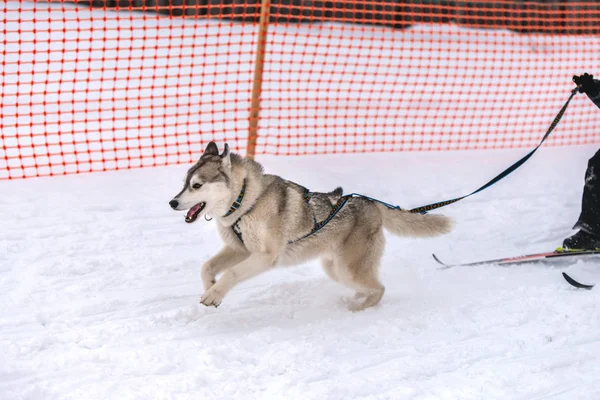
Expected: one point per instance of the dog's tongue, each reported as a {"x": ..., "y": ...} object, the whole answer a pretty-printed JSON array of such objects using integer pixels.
[{"x": 193, "y": 212}]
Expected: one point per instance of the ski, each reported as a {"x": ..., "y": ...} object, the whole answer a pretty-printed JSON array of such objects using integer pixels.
[
  {"x": 576, "y": 284},
  {"x": 528, "y": 258},
  {"x": 532, "y": 258}
]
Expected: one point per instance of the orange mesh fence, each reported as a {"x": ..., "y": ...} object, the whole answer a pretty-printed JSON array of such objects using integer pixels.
[{"x": 103, "y": 84}]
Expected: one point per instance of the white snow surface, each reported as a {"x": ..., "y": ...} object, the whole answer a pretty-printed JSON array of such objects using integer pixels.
[{"x": 100, "y": 287}]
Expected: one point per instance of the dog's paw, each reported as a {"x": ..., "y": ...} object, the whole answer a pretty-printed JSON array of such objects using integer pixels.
[{"x": 211, "y": 297}]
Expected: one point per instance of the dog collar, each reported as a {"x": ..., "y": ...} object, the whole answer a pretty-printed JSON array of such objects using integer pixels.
[{"x": 238, "y": 202}]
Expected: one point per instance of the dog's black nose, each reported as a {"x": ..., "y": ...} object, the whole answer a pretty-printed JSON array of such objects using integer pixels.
[{"x": 173, "y": 204}]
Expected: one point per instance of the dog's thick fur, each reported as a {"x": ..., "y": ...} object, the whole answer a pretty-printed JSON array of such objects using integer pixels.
[{"x": 275, "y": 212}]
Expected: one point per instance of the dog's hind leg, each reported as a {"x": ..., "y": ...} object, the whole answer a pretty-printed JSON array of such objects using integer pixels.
[
  {"x": 327, "y": 264},
  {"x": 363, "y": 278},
  {"x": 328, "y": 267},
  {"x": 224, "y": 259},
  {"x": 371, "y": 289},
  {"x": 357, "y": 267}
]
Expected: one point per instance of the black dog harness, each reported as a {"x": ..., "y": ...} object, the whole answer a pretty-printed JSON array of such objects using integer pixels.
[{"x": 335, "y": 208}]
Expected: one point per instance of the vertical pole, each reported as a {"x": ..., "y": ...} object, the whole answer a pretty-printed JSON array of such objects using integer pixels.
[{"x": 258, "y": 77}]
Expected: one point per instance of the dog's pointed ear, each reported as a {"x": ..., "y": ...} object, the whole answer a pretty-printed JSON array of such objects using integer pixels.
[
  {"x": 225, "y": 156},
  {"x": 225, "y": 151},
  {"x": 211, "y": 150}
]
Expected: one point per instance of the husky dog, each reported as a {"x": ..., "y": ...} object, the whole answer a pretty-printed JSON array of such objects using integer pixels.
[{"x": 266, "y": 221}]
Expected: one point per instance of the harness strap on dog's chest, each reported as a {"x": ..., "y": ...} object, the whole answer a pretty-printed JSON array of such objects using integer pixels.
[{"x": 238, "y": 232}]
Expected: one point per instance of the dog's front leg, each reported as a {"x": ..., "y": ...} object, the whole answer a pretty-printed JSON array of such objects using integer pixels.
[
  {"x": 224, "y": 259},
  {"x": 252, "y": 266}
]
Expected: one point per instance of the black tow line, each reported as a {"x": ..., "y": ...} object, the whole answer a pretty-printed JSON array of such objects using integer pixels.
[
  {"x": 507, "y": 171},
  {"x": 426, "y": 208}
]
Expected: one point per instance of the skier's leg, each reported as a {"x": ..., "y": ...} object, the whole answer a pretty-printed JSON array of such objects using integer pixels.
[
  {"x": 588, "y": 224},
  {"x": 588, "y": 236}
]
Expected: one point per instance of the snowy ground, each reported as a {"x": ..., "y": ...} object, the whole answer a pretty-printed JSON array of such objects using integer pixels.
[{"x": 100, "y": 282}]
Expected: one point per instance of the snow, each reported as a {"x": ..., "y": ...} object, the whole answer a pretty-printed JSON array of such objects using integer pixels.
[
  {"x": 100, "y": 283},
  {"x": 100, "y": 279}
]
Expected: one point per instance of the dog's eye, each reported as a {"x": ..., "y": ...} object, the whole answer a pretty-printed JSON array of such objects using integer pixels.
[{"x": 196, "y": 186}]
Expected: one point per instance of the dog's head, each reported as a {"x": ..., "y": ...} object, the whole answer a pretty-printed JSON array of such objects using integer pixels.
[{"x": 207, "y": 187}]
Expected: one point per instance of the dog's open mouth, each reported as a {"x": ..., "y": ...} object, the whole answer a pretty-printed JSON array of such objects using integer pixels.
[{"x": 193, "y": 212}]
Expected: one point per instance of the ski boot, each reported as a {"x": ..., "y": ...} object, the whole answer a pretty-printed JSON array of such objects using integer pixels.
[{"x": 582, "y": 240}]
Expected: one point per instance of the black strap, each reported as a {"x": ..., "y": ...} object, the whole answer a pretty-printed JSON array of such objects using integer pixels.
[
  {"x": 238, "y": 232},
  {"x": 318, "y": 225},
  {"x": 507, "y": 171}
]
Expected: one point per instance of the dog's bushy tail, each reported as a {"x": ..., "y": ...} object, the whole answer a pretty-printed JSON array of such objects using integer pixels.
[{"x": 404, "y": 223}]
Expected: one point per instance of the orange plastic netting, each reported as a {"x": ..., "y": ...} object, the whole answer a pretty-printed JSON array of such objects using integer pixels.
[{"x": 102, "y": 85}]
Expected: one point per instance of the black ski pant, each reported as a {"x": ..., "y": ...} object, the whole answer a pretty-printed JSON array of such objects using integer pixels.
[{"x": 589, "y": 220}]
